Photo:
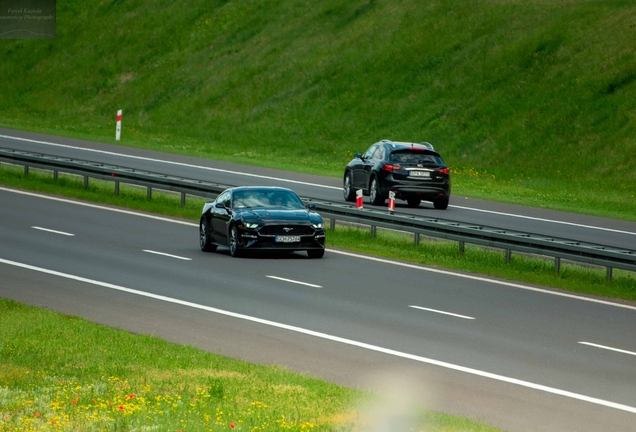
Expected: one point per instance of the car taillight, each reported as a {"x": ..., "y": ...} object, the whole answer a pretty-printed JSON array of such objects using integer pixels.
[
  {"x": 443, "y": 170},
  {"x": 389, "y": 167}
]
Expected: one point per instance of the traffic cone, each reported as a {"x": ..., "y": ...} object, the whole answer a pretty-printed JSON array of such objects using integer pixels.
[{"x": 359, "y": 199}]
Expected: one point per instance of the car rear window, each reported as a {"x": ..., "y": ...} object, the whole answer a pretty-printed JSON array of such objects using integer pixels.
[{"x": 416, "y": 157}]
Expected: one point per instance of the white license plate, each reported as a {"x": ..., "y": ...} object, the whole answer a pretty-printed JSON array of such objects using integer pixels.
[
  {"x": 287, "y": 239},
  {"x": 420, "y": 174}
]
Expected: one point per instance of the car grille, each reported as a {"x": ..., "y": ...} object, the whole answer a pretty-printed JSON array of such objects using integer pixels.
[{"x": 274, "y": 230}]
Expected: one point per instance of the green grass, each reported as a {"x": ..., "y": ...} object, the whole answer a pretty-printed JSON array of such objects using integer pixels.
[
  {"x": 400, "y": 246},
  {"x": 63, "y": 373},
  {"x": 530, "y": 102}
]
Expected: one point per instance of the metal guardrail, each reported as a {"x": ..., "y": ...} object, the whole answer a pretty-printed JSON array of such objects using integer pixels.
[{"x": 508, "y": 240}]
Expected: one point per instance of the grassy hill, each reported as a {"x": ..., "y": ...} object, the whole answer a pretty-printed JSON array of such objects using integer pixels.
[{"x": 528, "y": 101}]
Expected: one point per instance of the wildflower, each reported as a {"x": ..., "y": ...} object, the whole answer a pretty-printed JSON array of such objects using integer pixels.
[
  {"x": 232, "y": 425},
  {"x": 37, "y": 414},
  {"x": 121, "y": 407},
  {"x": 93, "y": 400},
  {"x": 74, "y": 401}
]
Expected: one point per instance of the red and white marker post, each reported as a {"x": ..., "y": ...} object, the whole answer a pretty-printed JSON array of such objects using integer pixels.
[
  {"x": 391, "y": 201},
  {"x": 118, "y": 130},
  {"x": 359, "y": 199}
]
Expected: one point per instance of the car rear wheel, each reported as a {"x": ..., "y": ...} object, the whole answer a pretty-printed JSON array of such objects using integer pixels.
[
  {"x": 374, "y": 193},
  {"x": 316, "y": 253},
  {"x": 441, "y": 203},
  {"x": 235, "y": 248},
  {"x": 204, "y": 238},
  {"x": 413, "y": 202},
  {"x": 347, "y": 189}
]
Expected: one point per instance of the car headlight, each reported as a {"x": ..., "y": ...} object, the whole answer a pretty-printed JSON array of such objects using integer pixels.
[
  {"x": 250, "y": 225},
  {"x": 319, "y": 225}
]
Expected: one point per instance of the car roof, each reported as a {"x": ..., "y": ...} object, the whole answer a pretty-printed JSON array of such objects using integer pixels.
[
  {"x": 401, "y": 145},
  {"x": 261, "y": 188}
]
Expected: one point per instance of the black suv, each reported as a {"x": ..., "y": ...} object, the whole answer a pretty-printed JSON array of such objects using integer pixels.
[{"x": 415, "y": 172}]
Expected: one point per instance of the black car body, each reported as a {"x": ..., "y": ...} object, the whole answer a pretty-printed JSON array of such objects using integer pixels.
[
  {"x": 415, "y": 172},
  {"x": 261, "y": 218}
]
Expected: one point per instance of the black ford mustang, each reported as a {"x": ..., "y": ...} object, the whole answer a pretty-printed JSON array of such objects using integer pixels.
[{"x": 261, "y": 218}]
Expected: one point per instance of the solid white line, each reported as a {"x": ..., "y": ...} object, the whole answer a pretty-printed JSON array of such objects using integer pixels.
[
  {"x": 171, "y": 162},
  {"x": 545, "y": 220},
  {"x": 481, "y": 279},
  {"x": 53, "y": 231},
  {"x": 325, "y": 336},
  {"x": 294, "y": 281},
  {"x": 298, "y": 182},
  {"x": 351, "y": 254},
  {"x": 441, "y": 312},
  {"x": 608, "y": 348},
  {"x": 98, "y": 206},
  {"x": 168, "y": 255}
]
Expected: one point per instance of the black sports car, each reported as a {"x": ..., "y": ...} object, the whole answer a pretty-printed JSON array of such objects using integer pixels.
[
  {"x": 261, "y": 218},
  {"x": 415, "y": 172}
]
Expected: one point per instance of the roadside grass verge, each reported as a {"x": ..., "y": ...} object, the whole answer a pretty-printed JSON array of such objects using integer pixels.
[
  {"x": 400, "y": 246},
  {"x": 63, "y": 373}
]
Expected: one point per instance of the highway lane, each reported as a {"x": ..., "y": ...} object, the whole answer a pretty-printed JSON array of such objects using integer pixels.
[
  {"x": 511, "y": 217},
  {"x": 462, "y": 330}
]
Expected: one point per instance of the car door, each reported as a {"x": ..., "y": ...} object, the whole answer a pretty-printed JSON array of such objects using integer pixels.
[
  {"x": 361, "y": 170},
  {"x": 370, "y": 162},
  {"x": 220, "y": 214}
]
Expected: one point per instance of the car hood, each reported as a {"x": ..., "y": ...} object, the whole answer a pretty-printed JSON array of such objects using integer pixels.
[{"x": 274, "y": 216}]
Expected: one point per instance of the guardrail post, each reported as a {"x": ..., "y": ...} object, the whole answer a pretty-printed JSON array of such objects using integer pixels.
[
  {"x": 416, "y": 239},
  {"x": 183, "y": 199},
  {"x": 608, "y": 275},
  {"x": 332, "y": 224},
  {"x": 374, "y": 230},
  {"x": 557, "y": 264},
  {"x": 508, "y": 255},
  {"x": 26, "y": 170},
  {"x": 55, "y": 174},
  {"x": 116, "y": 188},
  {"x": 149, "y": 193},
  {"x": 462, "y": 247},
  {"x": 85, "y": 182}
]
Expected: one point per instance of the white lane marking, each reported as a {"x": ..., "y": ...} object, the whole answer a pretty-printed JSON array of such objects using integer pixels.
[
  {"x": 97, "y": 206},
  {"x": 297, "y": 182},
  {"x": 351, "y": 254},
  {"x": 53, "y": 231},
  {"x": 441, "y": 312},
  {"x": 294, "y": 281},
  {"x": 172, "y": 163},
  {"x": 482, "y": 279},
  {"x": 545, "y": 220},
  {"x": 342, "y": 340},
  {"x": 608, "y": 348},
  {"x": 168, "y": 255}
]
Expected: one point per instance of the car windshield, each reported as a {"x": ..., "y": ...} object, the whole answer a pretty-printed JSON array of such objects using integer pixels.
[
  {"x": 416, "y": 157},
  {"x": 267, "y": 199}
]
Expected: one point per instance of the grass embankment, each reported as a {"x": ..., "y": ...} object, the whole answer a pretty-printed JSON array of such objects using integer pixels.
[
  {"x": 400, "y": 246},
  {"x": 62, "y": 373},
  {"x": 529, "y": 102}
]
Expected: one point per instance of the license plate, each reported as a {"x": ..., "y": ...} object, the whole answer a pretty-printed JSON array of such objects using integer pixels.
[
  {"x": 420, "y": 174},
  {"x": 287, "y": 239}
]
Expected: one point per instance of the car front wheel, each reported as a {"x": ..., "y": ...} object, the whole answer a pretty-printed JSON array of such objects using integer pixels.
[
  {"x": 347, "y": 189},
  {"x": 235, "y": 248},
  {"x": 316, "y": 253},
  {"x": 204, "y": 238},
  {"x": 374, "y": 193}
]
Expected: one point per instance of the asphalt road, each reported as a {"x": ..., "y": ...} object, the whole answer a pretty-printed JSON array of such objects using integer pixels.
[
  {"x": 604, "y": 231},
  {"x": 516, "y": 357}
]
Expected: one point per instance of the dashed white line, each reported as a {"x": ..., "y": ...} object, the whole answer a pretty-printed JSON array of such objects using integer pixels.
[
  {"x": 338, "y": 339},
  {"x": 608, "y": 348},
  {"x": 168, "y": 255},
  {"x": 441, "y": 312},
  {"x": 53, "y": 231},
  {"x": 294, "y": 281}
]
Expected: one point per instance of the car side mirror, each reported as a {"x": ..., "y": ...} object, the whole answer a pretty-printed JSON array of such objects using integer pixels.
[
  {"x": 220, "y": 205},
  {"x": 311, "y": 206},
  {"x": 357, "y": 155}
]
